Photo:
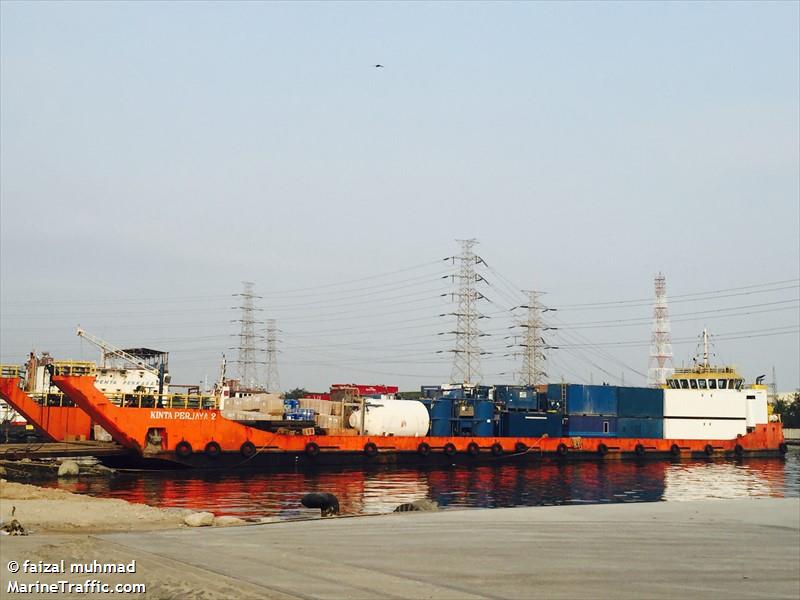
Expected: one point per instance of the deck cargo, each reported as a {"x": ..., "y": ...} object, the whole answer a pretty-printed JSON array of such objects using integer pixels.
[
  {"x": 392, "y": 417},
  {"x": 639, "y": 402},
  {"x": 516, "y": 397},
  {"x": 583, "y": 399},
  {"x": 320, "y": 407},
  {"x": 329, "y": 422},
  {"x": 531, "y": 424},
  {"x": 591, "y": 426},
  {"x": 640, "y": 427},
  {"x": 441, "y": 417},
  {"x": 431, "y": 391}
]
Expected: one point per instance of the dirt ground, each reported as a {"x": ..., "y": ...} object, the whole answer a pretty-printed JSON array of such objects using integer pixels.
[
  {"x": 51, "y": 510},
  {"x": 62, "y": 527},
  {"x": 163, "y": 578}
]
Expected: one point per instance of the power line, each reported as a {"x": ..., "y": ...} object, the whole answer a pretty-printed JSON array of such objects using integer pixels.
[
  {"x": 273, "y": 381},
  {"x": 690, "y": 297},
  {"x": 660, "y": 346},
  {"x": 248, "y": 370},
  {"x": 467, "y": 351}
]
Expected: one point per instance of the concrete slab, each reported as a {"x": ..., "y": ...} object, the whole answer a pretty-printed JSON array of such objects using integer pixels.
[{"x": 715, "y": 549}]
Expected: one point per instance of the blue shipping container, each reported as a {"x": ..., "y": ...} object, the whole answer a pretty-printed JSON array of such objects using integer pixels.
[
  {"x": 640, "y": 428},
  {"x": 431, "y": 391},
  {"x": 482, "y": 391},
  {"x": 442, "y": 417},
  {"x": 484, "y": 419},
  {"x": 520, "y": 424},
  {"x": 592, "y": 400},
  {"x": 641, "y": 402},
  {"x": 591, "y": 426},
  {"x": 517, "y": 397}
]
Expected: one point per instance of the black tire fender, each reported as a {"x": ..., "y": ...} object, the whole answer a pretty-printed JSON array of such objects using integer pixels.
[
  {"x": 183, "y": 449},
  {"x": 709, "y": 449},
  {"x": 738, "y": 450},
  {"x": 602, "y": 449},
  {"x": 497, "y": 449},
  {"x": 675, "y": 450},
  {"x": 312, "y": 449},
  {"x": 473, "y": 449},
  {"x": 449, "y": 449},
  {"x": 520, "y": 447},
  {"x": 562, "y": 450},
  {"x": 247, "y": 449},
  {"x": 370, "y": 449},
  {"x": 640, "y": 450},
  {"x": 424, "y": 449},
  {"x": 213, "y": 450},
  {"x": 783, "y": 447}
]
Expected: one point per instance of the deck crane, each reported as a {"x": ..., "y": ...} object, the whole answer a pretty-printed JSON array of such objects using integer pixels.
[{"x": 111, "y": 350}]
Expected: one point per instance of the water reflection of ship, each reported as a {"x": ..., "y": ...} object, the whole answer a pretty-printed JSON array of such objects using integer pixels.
[
  {"x": 370, "y": 491},
  {"x": 700, "y": 481},
  {"x": 548, "y": 484}
]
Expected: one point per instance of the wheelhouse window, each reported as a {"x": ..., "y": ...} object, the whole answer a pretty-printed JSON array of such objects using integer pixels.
[
  {"x": 712, "y": 384},
  {"x": 693, "y": 383},
  {"x": 702, "y": 383},
  {"x": 722, "y": 384},
  {"x": 684, "y": 384},
  {"x": 672, "y": 384}
]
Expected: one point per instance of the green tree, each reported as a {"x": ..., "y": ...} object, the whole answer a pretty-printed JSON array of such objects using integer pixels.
[
  {"x": 789, "y": 410},
  {"x": 296, "y": 394}
]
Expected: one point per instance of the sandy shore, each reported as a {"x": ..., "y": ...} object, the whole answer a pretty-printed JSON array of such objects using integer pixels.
[
  {"x": 52, "y": 510},
  {"x": 63, "y": 526},
  {"x": 700, "y": 549}
]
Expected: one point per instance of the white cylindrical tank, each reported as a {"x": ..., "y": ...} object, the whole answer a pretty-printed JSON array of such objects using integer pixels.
[{"x": 393, "y": 417}]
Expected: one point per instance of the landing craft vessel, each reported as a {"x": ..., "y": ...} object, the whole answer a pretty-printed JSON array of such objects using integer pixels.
[
  {"x": 705, "y": 410},
  {"x": 192, "y": 436}
]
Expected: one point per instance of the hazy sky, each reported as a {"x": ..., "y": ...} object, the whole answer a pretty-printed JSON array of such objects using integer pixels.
[{"x": 154, "y": 155}]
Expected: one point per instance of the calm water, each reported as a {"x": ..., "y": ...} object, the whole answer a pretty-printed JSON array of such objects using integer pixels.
[{"x": 277, "y": 494}]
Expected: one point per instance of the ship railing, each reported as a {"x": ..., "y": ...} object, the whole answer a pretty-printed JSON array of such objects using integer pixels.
[
  {"x": 704, "y": 369},
  {"x": 58, "y": 399},
  {"x": 156, "y": 400},
  {"x": 74, "y": 367},
  {"x": 9, "y": 371}
]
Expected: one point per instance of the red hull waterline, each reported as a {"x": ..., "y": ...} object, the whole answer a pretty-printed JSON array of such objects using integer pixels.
[
  {"x": 57, "y": 423},
  {"x": 212, "y": 441}
]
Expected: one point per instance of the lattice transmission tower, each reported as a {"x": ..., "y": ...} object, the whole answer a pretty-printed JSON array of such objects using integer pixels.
[
  {"x": 661, "y": 365},
  {"x": 467, "y": 351},
  {"x": 273, "y": 382},
  {"x": 248, "y": 355},
  {"x": 532, "y": 344}
]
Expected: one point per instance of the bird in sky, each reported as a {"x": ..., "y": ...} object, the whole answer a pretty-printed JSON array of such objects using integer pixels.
[{"x": 378, "y": 66}]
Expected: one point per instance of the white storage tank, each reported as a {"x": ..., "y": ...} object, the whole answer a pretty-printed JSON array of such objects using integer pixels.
[{"x": 393, "y": 417}]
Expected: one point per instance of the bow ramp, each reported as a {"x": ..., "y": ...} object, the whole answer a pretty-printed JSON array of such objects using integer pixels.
[
  {"x": 59, "y": 422},
  {"x": 82, "y": 391}
]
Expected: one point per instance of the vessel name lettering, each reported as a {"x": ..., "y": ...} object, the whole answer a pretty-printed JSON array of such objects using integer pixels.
[{"x": 183, "y": 415}]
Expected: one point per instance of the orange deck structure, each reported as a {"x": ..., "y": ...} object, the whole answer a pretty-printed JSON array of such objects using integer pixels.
[
  {"x": 59, "y": 423},
  {"x": 202, "y": 437}
]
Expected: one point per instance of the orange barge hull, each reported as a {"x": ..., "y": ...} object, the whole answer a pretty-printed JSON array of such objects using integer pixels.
[
  {"x": 204, "y": 438},
  {"x": 57, "y": 423}
]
